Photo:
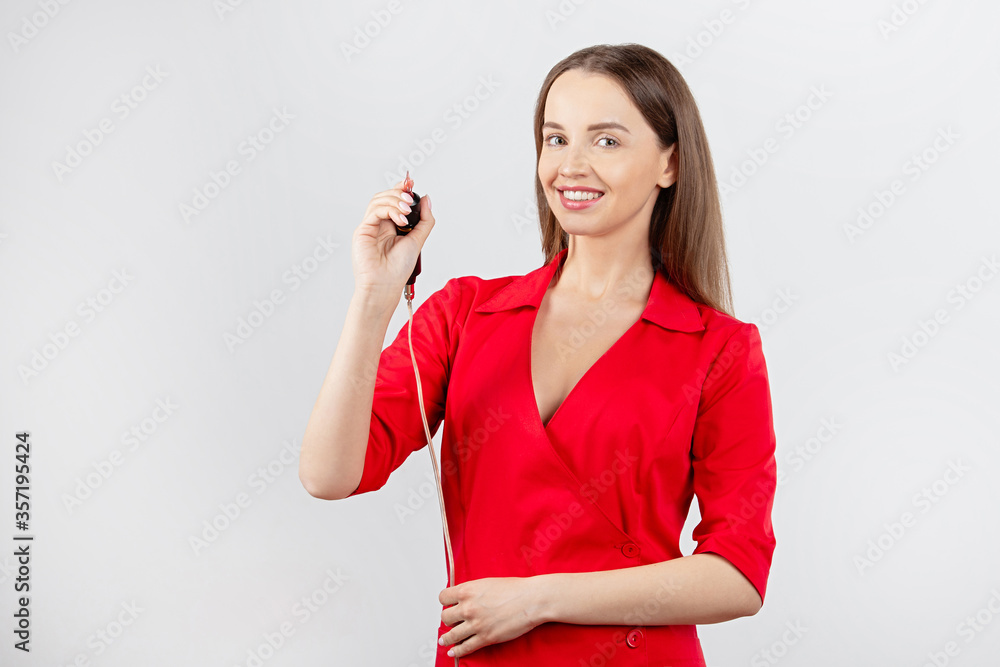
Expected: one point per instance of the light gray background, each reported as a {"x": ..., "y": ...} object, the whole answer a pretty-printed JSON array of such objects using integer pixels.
[{"x": 831, "y": 310}]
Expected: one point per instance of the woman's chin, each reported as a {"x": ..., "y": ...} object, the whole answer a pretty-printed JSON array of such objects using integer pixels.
[{"x": 580, "y": 227}]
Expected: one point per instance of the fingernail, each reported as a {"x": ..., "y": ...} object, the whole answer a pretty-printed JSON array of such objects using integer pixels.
[
  {"x": 429, "y": 207},
  {"x": 407, "y": 197},
  {"x": 440, "y": 641}
]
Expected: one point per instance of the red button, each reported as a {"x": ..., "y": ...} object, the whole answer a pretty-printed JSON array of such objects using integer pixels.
[
  {"x": 630, "y": 550},
  {"x": 633, "y": 638}
]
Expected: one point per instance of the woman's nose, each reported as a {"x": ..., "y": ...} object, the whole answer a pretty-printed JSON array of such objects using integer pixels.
[{"x": 574, "y": 162}]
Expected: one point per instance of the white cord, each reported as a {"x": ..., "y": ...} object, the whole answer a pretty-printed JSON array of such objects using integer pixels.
[{"x": 430, "y": 446}]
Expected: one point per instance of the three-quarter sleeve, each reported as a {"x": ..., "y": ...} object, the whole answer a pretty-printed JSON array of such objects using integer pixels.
[
  {"x": 733, "y": 465},
  {"x": 396, "y": 428}
]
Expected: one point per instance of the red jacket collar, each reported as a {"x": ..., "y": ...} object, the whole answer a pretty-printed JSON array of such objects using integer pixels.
[{"x": 668, "y": 306}]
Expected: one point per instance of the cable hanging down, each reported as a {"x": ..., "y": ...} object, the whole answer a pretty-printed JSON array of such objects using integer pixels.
[
  {"x": 430, "y": 448},
  {"x": 412, "y": 219}
]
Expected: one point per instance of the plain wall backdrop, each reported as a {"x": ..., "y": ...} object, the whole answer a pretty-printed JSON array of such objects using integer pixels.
[{"x": 164, "y": 355}]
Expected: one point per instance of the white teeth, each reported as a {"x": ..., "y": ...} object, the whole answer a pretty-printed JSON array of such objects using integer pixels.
[{"x": 579, "y": 195}]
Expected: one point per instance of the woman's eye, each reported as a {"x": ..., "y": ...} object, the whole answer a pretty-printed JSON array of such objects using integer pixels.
[{"x": 556, "y": 136}]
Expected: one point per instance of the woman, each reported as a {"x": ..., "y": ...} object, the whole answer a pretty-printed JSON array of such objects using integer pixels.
[{"x": 585, "y": 403}]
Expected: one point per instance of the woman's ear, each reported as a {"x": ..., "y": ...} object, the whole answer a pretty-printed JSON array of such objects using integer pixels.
[{"x": 669, "y": 164}]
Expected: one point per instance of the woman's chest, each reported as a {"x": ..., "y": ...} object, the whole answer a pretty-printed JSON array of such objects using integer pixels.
[
  {"x": 599, "y": 392},
  {"x": 566, "y": 343},
  {"x": 617, "y": 448}
]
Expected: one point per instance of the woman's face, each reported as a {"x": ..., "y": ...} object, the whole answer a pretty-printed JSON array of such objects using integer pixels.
[{"x": 623, "y": 164}]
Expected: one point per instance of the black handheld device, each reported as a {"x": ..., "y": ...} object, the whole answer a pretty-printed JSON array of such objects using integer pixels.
[{"x": 412, "y": 218}]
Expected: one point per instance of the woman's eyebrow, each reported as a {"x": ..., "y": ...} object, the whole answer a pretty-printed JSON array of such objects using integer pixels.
[{"x": 607, "y": 125}]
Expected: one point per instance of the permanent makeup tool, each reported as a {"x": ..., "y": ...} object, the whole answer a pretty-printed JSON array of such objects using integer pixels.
[{"x": 412, "y": 218}]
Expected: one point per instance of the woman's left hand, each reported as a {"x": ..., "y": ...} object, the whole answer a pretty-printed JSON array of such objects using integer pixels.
[{"x": 489, "y": 611}]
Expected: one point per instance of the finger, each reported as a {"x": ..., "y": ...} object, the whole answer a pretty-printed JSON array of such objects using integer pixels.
[
  {"x": 453, "y": 620},
  {"x": 393, "y": 202},
  {"x": 458, "y": 634},
  {"x": 395, "y": 193},
  {"x": 386, "y": 210},
  {"x": 398, "y": 192},
  {"x": 425, "y": 208},
  {"x": 451, "y": 616},
  {"x": 427, "y": 221},
  {"x": 466, "y": 647},
  {"x": 397, "y": 213}
]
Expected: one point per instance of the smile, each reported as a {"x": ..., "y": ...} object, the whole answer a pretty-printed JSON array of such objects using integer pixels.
[
  {"x": 581, "y": 195},
  {"x": 575, "y": 200}
]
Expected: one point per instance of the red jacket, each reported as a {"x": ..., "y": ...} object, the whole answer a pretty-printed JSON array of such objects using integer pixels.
[{"x": 678, "y": 407}]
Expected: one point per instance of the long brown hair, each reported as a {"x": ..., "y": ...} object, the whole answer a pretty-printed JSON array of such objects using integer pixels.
[{"x": 685, "y": 232}]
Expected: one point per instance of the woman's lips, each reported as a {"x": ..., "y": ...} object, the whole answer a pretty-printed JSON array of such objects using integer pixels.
[{"x": 573, "y": 205}]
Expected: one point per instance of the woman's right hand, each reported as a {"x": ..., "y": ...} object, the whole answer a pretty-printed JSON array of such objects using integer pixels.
[{"x": 382, "y": 260}]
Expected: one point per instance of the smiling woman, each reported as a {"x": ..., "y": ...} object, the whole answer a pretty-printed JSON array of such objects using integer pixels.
[
  {"x": 581, "y": 164},
  {"x": 633, "y": 120},
  {"x": 585, "y": 404}
]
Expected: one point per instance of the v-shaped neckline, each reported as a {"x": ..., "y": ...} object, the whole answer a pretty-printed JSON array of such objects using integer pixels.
[{"x": 573, "y": 390}]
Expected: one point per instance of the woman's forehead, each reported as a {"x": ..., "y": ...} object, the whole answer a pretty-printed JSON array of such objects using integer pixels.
[{"x": 584, "y": 97}]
